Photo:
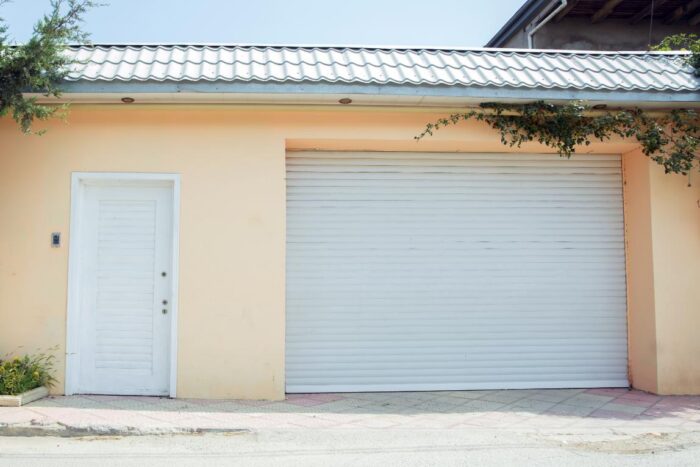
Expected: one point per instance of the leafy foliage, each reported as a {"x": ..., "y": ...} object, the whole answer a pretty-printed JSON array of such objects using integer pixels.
[
  {"x": 39, "y": 65},
  {"x": 671, "y": 140},
  {"x": 687, "y": 42},
  {"x": 20, "y": 374}
]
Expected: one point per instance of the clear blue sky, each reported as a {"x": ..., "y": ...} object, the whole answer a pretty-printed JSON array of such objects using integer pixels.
[{"x": 456, "y": 23}]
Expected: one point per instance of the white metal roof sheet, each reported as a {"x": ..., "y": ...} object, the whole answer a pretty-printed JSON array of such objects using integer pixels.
[{"x": 623, "y": 71}]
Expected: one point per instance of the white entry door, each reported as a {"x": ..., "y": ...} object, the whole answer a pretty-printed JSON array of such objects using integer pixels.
[{"x": 124, "y": 289}]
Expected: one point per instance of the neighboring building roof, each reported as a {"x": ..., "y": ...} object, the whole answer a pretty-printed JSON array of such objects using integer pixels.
[
  {"x": 634, "y": 11},
  {"x": 517, "y": 22},
  {"x": 220, "y": 68}
]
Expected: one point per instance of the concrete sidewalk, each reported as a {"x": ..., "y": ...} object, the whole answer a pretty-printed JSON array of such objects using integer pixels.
[{"x": 556, "y": 410}]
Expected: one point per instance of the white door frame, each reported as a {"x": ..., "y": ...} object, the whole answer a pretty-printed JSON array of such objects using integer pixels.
[{"x": 79, "y": 180}]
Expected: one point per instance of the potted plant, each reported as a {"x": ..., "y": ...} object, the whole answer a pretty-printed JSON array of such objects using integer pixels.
[{"x": 24, "y": 379}]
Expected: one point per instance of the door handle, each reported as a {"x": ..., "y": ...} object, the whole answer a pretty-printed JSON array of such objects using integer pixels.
[{"x": 165, "y": 311}]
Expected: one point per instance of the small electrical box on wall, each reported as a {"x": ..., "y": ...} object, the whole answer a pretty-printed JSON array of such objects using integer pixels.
[{"x": 55, "y": 239}]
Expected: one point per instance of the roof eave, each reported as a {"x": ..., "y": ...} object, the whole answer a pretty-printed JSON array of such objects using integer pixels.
[{"x": 232, "y": 91}]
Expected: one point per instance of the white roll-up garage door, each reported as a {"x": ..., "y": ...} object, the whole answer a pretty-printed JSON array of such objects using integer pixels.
[{"x": 428, "y": 271}]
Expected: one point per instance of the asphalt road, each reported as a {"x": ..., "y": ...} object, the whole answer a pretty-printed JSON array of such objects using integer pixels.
[{"x": 357, "y": 447}]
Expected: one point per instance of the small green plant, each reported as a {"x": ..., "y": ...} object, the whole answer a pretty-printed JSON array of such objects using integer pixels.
[
  {"x": 24, "y": 373},
  {"x": 686, "y": 42}
]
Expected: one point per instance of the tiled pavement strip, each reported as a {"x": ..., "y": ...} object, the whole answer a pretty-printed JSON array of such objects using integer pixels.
[{"x": 569, "y": 410}]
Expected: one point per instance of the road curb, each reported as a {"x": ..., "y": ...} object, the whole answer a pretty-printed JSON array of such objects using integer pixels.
[{"x": 67, "y": 431}]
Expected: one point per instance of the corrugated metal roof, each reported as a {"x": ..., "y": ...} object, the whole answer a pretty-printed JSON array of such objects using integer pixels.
[{"x": 466, "y": 68}]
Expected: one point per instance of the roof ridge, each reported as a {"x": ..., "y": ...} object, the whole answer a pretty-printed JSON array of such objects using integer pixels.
[{"x": 388, "y": 48}]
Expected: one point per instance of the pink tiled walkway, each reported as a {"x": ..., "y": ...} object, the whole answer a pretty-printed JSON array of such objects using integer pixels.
[{"x": 526, "y": 410}]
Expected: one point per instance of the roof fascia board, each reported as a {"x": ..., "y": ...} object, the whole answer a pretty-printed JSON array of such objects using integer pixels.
[{"x": 482, "y": 93}]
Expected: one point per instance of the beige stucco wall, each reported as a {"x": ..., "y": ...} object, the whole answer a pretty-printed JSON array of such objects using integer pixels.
[
  {"x": 663, "y": 252},
  {"x": 641, "y": 311},
  {"x": 676, "y": 233},
  {"x": 232, "y": 166}
]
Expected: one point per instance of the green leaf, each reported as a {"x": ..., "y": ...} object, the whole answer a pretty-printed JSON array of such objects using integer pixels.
[
  {"x": 671, "y": 140},
  {"x": 40, "y": 64}
]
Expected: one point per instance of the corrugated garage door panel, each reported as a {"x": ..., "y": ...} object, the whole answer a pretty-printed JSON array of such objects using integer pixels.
[{"x": 418, "y": 271}]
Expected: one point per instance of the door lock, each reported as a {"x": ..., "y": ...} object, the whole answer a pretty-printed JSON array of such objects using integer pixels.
[{"x": 165, "y": 311}]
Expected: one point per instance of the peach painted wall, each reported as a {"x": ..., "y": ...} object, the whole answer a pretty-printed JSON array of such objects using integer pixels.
[
  {"x": 662, "y": 216},
  {"x": 675, "y": 211},
  {"x": 232, "y": 165},
  {"x": 640, "y": 272}
]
